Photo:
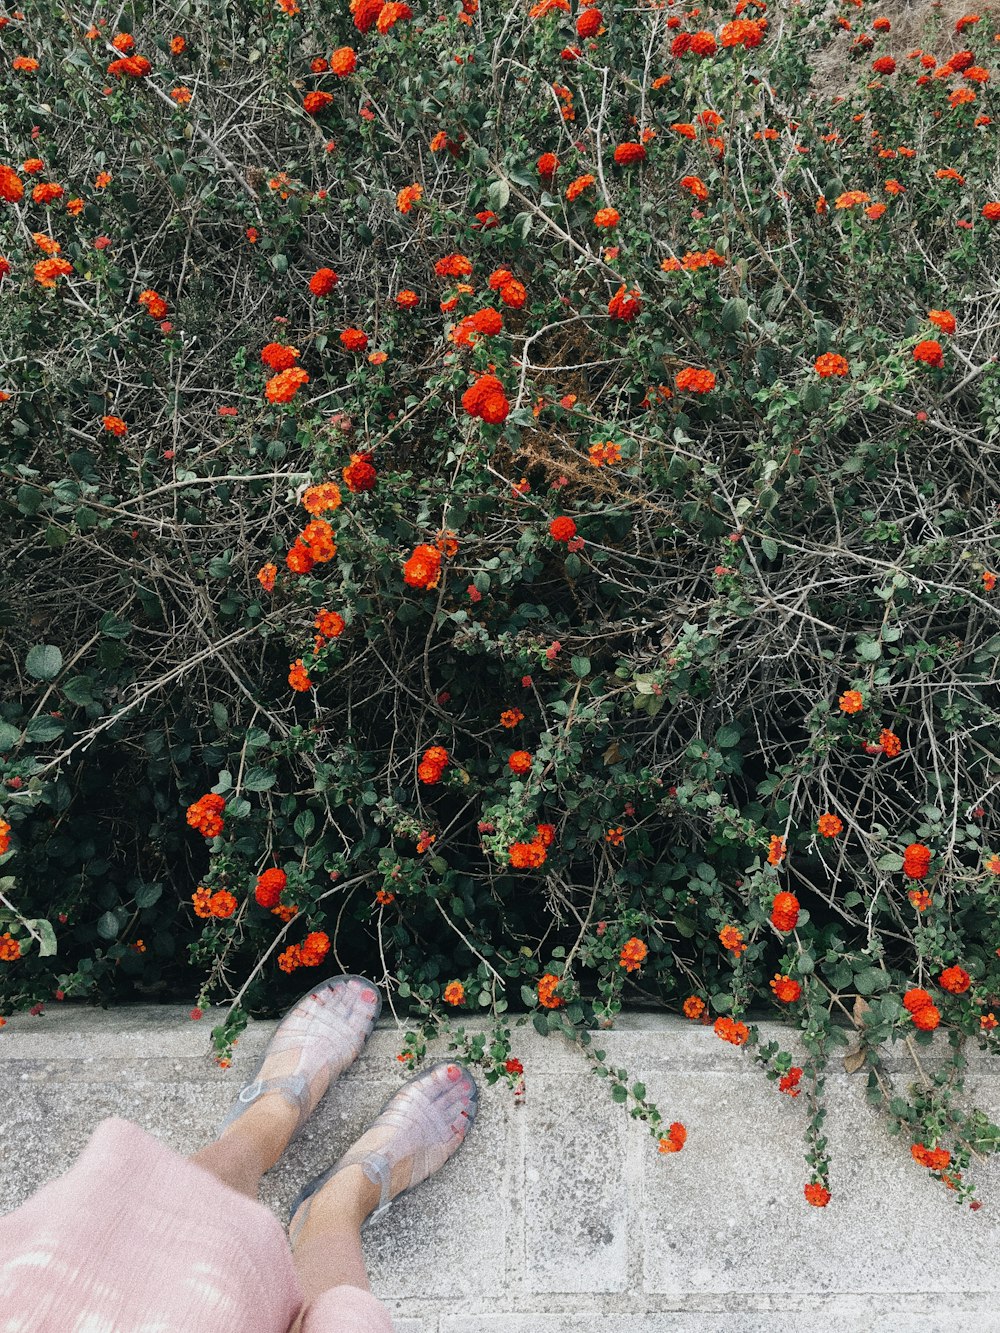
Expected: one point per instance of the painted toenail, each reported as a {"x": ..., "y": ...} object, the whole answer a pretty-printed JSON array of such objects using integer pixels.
[
  {"x": 454, "y": 1072},
  {"x": 368, "y": 996}
]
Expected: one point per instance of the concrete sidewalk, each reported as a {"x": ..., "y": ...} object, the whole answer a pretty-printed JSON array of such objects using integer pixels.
[{"x": 558, "y": 1215}]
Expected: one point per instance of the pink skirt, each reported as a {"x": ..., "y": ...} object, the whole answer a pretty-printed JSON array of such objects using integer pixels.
[{"x": 135, "y": 1238}]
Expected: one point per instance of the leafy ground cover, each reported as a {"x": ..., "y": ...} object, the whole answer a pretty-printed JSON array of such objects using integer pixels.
[{"x": 502, "y": 498}]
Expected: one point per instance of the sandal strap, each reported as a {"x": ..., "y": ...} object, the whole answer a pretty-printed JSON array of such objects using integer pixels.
[
  {"x": 378, "y": 1169},
  {"x": 293, "y": 1087}
]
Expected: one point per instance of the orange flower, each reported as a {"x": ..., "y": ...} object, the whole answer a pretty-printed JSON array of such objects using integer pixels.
[
  {"x": 454, "y": 993},
  {"x": 785, "y": 911},
  {"x": 955, "y": 980},
  {"x": 4, "y": 837},
  {"x": 696, "y": 187},
  {"x": 10, "y": 948},
  {"x": 850, "y": 198},
  {"x": 935, "y": 1159},
  {"x": 576, "y": 187},
  {"x": 486, "y": 399},
  {"x": 633, "y": 954},
  {"x": 202, "y": 899},
  {"x": 615, "y": 836},
  {"x": 930, "y": 353},
  {"x": 423, "y": 568},
  {"x": 114, "y": 426},
  {"x": 354, "y": 340},
  {"x": 323, "y": 282},
  {"x": 562, "y": 529},
  {"x": 786, "y": 988},
  {"x": 343, "y": 61},
  {"x": 776, "y": 850},
  {"x": 829, "y": 826},
  {"x": 315, "y": 102},
  {"x": 942, "y": 319},
  {"x": 693, "y": 1007},
  {"x": 270, "y": 886},
  {"x": 278, "y": 356},
  {"x": 383, "y": 897},
  {"x": 817, "y": 1194},
  {"x": 432, "y": 764},
  {"x": 330, "y": 624},
  {"x": 526, "y": 855},
  {"x": 923, "y": 1012},
  {"x": 47, "y": 270},
  {"x": 298, "y": 676},
  {"x": 446, "y": 543},
  {"x": 890, "y": 743},
  {"x": 510, "y": 717},
  {"x": 606, "y": 217},
  {"x": 851, "y": 701},
  {"x": 406, "y": 299},
  {"x": 916, "y": 860},
  {"x": 731, "y": 938},
  {"x": 11, "y": 185},
  {"x": 314, "y": 949},
  {"x": 674, "y": 1139},
  {"x": 283, "y": 387},
  {"x": 222, "y": 904},
  {"x": 734, "y": 1032},
  {"x": 319, "y": 499},
  {"x": 520, "y": 762},
  {"x": 360, "y": 474},
  {"x": 831, "y": 363},
  {"x": 408, "y": 196},
  {"x": 920, "y": 898},
  {"x": 546, "y": 992},
  {"x": 205, "y": 814},
  {"x": 289, "y": 959},
  {"x": 694, "y": 381}
]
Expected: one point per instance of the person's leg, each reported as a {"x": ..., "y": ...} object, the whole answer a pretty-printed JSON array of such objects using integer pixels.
[
  {"x": 251, "y": 1145},
  {"x": 317, "y": 1039},
  {"x": 418, "y": 1136},
  {"x": 326, "y": 1246}
]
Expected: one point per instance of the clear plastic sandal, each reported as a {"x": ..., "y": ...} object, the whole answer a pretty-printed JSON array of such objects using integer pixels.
[
  {"x": 426, "y": 1119},
  {"x": 330, "y": 1031}
]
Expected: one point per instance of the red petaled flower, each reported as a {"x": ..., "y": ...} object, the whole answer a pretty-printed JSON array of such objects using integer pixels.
[{"x": 785, "y": 911}]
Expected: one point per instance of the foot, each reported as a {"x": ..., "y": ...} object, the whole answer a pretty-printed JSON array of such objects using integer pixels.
[
  {"x": 314, "y": 1043},
  {"x": 421, "y": 1127}
]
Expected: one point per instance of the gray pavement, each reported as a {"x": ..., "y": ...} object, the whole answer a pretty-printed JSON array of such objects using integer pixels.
[{"x": 558, "y": 1215}]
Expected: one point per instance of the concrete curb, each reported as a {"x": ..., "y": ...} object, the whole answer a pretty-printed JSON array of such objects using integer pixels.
[{"x": 558, "y": 1215}]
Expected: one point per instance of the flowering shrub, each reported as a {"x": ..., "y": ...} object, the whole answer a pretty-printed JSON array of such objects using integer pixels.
[{"x": 504, "y": 502}]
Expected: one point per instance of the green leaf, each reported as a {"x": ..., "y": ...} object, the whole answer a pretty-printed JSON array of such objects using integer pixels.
[
  {"x": 734, "y": 314},
  {"x": 869, "y": 650},
  {"x": 44, "y": 728},
  {"x": 43, "y": 662},
  {"x": 78, "y": 690},
  {"x": 870, "y": 979},
  {"x": 540, "y": 1023},
  {"x": 148, "y": 894},
  {"x": 528, "y": 997},
  {"x": 9, "y": 736},
  {"x": 107, "y": 926},
  {"x": 889, "y": 861},
  {"x": 499, "y": 193},
  {"x": 47, "y": 945},
  {"x": 304, "y": 824},
  {"x": 769, "y": 547},
  {"x": 115, "y": 628},
  {"x": 581, "y": 666},
  {"x": 259, "y": 779},
  {"x": 618, "y": 1093},
  {"x": 727, "y": 737}
]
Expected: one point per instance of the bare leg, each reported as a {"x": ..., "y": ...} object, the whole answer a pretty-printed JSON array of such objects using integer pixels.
[
  {"x": 327, "y": 1249},
  {"x": 250, "y": 1146}
]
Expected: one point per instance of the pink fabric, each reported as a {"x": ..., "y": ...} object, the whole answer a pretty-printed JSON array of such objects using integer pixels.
[{"x": 136, "y": 1239}]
